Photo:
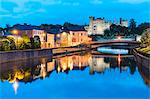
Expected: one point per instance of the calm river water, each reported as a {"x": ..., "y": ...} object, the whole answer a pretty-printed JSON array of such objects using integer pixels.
[{"x": 89, "y": 75}]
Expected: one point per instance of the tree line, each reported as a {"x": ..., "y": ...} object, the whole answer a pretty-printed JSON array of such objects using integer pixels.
[{"x": 132, "y": 30}]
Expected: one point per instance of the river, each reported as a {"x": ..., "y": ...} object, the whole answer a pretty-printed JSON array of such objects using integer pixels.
[{"x": 85, "y": 75}]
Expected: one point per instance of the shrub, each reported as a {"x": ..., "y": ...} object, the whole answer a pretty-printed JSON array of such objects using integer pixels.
[
  {"x": 5, "y": 45},
  {"x": 145, "y": 39},
  {"x": 12, "y": 43}
]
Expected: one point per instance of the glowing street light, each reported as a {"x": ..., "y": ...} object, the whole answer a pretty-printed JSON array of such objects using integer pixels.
[
  {"x": 15, "y": 32},
  {"x": 58, "y": 35},
  {"x": 64, "y": 33},
  {"x": 119, "y": 60},
  {"x": 119, "y": 37},
  {"x": 44, "y": 34}
]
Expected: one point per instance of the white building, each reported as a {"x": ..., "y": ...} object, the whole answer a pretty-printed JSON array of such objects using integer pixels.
[{"x": 99, "y": 25}]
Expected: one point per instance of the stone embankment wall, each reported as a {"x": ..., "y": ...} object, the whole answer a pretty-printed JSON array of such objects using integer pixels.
[
  {"x": 24, "y": 54},
  {"x": 142, "y": 60}
]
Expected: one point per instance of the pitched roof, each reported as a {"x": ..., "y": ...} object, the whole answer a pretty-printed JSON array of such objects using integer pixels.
[
  {"x": 76, "y": 28},
  {"x": 24, "y": 27},
  {"x": 53, "y": 31}
]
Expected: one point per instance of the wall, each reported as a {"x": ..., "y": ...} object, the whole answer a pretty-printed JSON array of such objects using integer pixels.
[
  {"x": 142, "y": 60},
  {"x": 78, "y": 37},
  {"x": 97, "y": 26},
  {"x": 50, "y": 41},
  {"x": 24, "y": 54}
]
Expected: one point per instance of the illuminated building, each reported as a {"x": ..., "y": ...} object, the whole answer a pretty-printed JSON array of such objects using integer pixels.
[
  {"x": 74, "y": 36},
  {"x": 30, "y": 31},
  {"x": 50, "y": 41},
  {"x": 99, "y": 25}
]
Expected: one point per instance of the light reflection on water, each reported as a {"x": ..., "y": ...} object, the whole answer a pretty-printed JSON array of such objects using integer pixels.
[
  {"x": 15, "y": 86},
  {"x": 78, "y": 68},
  {"x": 113, "y": 51}
]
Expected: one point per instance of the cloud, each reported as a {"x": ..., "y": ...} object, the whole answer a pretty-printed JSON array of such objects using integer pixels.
[
  {"x": 71, "y": 4},
  {"x": 133, "y": 1},
  {"x": 96, "y": 1},
  {"x": 8, "y": 6},
  {"x": 58, "y": 11}
]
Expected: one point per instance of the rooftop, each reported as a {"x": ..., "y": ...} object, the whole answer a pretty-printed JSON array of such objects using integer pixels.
[{"x": 24, "y": 27}]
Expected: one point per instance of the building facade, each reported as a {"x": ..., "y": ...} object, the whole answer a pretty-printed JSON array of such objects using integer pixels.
[
  {"x": 50, "y": 43},
  {"x": 73, "y": 37},
  {"x": 30, "y": 31},
  {"x": 99, "y": 25},
  {"x": 79, "y": 37}
]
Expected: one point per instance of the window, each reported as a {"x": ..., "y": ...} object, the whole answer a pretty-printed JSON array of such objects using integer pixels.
[{"x": 73, "y": 40}]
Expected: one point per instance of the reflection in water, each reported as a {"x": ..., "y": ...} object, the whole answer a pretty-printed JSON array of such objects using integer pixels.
[
  {"x": 31, "y": 70},
  {"x": 15, "y": 86},
  {"x": 145, "y": 73},
  {"x": 97, "y": 64},
  {"x": 113, "y": 51},
  {"x": 119, "y": 60}
]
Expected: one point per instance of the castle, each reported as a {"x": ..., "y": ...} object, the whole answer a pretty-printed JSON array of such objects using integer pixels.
[{"x": 99, "y": 25}]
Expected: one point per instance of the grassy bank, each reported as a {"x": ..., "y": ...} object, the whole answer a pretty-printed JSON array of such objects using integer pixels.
[{"x": 145, "y": 50}]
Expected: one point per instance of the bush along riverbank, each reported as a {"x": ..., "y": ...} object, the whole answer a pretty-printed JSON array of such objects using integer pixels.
[
  {"x": 10, "y": 43},
  {"x": 142, "y": 54},
  {"x": 145, "y": 43}
]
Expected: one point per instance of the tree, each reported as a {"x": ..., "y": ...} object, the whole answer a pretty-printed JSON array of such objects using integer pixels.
[
  {"x": 5, "y": 45},
  {"x": 107, "y": 33},
  {"x": 132, "y": 26},
  {"x": 12, "y": 43},
  {"x": 32, "y": 42},
  {"x": 26, "y": 41},
  {"x": 146, "y": 38},
  {"x": 142, "y": 27},
  {"x": 35, "y": 42}
]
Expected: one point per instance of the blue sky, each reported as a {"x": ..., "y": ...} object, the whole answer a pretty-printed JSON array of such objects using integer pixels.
[{"x": 75, "y": 11}]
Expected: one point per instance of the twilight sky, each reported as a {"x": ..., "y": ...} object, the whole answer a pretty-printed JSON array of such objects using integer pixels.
[{"x": 75, "y": 11}]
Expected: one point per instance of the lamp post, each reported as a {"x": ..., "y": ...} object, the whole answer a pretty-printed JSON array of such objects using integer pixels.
[
  {"x": 119, "y": 37},
  {"x": 15, "y": 32}
]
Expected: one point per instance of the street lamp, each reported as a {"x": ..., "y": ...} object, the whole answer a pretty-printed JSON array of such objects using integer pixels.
[
  {"x": 58, "y": 35},
  {"x": 15, "y": 32},
  {"x": 119, "y": 37}
]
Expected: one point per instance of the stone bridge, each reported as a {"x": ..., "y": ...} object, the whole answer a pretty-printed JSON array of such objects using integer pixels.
[{"x": 112, "y": 43}]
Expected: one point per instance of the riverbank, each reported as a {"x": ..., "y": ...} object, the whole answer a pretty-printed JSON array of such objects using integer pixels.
[
  {"x": 144, "y": 50},
  {"x": 67, "y": 50},
  {"x": 142, "y": 59},
  {"x": 8, "y": 56}
]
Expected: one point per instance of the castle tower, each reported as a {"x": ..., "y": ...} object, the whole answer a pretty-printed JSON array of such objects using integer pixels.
[{"x": 90, "y": 31}]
